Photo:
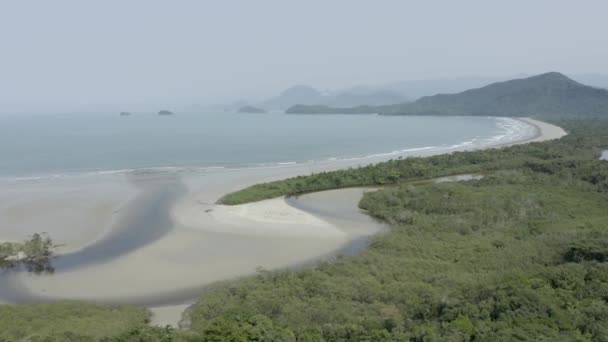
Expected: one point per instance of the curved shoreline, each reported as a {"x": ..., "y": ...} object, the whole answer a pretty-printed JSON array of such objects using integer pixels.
[
  {"x": 357, "y": 159},
  {"x": 546, "y": 131},
  {"x": 171, "y": 314},
  {"x": 200, "y": 224}
]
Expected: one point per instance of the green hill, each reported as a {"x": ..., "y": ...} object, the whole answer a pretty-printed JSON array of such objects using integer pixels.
[{"x": 549, "y": 94}]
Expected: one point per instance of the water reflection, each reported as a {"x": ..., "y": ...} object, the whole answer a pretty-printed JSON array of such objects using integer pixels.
[{"x": 35, "y": 266}]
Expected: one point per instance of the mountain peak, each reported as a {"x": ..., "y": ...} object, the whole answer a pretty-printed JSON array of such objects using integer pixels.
[
  {"x": 552, "y": 76},
  {"x": 551, "y": 94}
]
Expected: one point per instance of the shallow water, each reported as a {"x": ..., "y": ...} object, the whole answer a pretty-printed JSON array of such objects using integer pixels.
[
  {"x": 146, "y": 219},
  {"x": 211, "y": 250},
  {"x": 341, "y": 208}
]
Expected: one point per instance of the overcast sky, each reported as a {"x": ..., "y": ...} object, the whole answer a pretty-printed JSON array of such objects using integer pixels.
[{"x": 70, "y": 54}]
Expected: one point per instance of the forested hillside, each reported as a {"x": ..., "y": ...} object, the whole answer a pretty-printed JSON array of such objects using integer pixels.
[{"x": 551, "y": 94}]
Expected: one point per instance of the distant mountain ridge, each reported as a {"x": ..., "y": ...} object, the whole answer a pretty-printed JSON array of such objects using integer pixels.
[
  {"x": 306, "y": 95},
  {"x": 545, "y": 94},
  {"x": 415, "y": 89},
  {"x": 297, "y": 94}
]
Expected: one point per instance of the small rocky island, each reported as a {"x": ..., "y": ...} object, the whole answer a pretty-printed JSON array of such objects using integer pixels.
[
  {"x": 165, "y": 112},
  {"x": 125, "y": 113},
  {"x": 251, "y": 109}
]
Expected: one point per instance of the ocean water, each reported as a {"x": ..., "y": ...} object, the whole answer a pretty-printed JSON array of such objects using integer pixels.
[{"x": 34, "y": 146}]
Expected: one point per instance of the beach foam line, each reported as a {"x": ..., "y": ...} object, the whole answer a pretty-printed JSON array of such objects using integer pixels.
[{"x": 510, "y": 131}]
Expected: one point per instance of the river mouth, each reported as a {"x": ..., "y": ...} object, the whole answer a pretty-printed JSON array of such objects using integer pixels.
[
  {"x": 146, "y": 218},
  {"x": 115, "y": 265},
  {"x": 168, "y": 241},
  {"x": 340, "y": 207}
]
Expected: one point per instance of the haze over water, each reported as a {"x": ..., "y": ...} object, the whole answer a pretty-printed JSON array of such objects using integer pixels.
[{"x": 57, "y": 145}]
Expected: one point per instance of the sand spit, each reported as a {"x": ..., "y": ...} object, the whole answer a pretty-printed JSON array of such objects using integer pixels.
[{"x": 272, "y": 217}]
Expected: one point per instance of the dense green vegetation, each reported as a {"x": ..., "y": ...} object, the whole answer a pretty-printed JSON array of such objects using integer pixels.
[
  {"x": 551, "y": 94},
  {"x": 486, "y": 260},
  {"x": 34, "y": 254},
  {"x": 60, "y": 321},
  {"x": 67, "y": 321},
  {"x": 518, "y": 255},
  {"x": 583, "y": 144}
]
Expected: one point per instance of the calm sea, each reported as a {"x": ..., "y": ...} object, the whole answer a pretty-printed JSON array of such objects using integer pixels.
[{"x": 52, "y": 145}]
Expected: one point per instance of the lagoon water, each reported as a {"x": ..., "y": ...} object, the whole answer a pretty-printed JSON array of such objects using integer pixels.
[{"x": 56, "y": 145}]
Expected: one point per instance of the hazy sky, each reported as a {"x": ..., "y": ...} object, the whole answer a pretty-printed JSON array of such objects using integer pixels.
[{"x": 71, "y": 54}]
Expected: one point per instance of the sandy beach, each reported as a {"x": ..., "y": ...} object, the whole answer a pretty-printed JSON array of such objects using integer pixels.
[
  {"x": 202, "y": 243},
  {"x": 546, "y": 131}
]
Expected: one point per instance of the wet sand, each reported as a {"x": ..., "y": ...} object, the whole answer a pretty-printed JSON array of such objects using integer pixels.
[
  {"x": 76, "y": 214},
  {"x": 165, "y": 263}
]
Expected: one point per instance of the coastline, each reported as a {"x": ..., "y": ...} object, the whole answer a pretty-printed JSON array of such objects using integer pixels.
[
  {"x": 229, "y": 241},
  {"x": 281, "y": 206},
  {"x": 546, "y": 131}
]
